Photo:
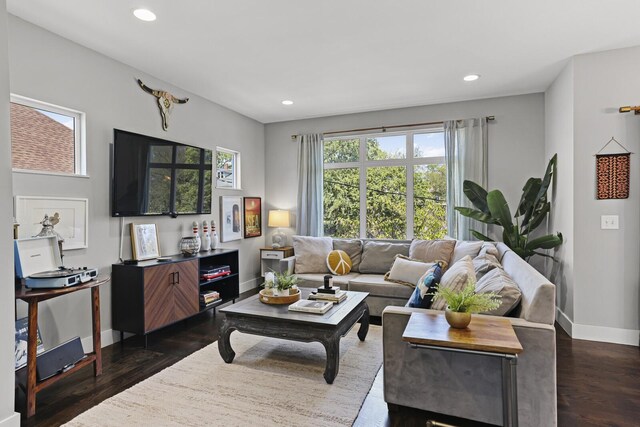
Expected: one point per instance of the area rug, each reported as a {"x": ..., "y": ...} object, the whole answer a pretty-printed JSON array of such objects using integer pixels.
[{"x": 270, "y": 382}]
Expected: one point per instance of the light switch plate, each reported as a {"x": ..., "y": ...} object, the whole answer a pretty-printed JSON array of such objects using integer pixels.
[{"x": 609, "y": 222}]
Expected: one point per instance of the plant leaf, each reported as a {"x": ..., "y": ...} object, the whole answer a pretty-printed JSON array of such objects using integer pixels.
[
  {"x": 477, "y": 215},
  {"x": 545, "y": 242},
  {"x": 546, "y": 181},
  {"x": 499, "y": 209},
  {"x": 481, "y": 236},
  {"x": 476, "y": 195},
  {"x": 529, "y": 193},
  {"x": 539, "y": 216}
]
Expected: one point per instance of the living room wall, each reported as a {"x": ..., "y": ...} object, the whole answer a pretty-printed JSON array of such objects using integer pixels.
[
  {"x": 8, "y": 418},
  {"x": 47, "y": 67},
  {"x": 516, "y": 141}
]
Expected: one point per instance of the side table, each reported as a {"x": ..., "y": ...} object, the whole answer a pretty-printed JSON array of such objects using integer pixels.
[
  {"x": 486, "y": 336},
  {"x": 33, "y": 297},
  {"x": 269, "y": 255}
]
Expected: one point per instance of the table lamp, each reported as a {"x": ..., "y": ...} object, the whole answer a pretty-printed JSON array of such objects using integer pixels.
[{"x": 279, "y": 218}]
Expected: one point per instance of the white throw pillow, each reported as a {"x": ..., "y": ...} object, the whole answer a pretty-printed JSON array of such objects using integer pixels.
[
  {"x": 455, "y": 278},
  {"x": 407, "y": 271},
  {"x": 464, "y": 248}
]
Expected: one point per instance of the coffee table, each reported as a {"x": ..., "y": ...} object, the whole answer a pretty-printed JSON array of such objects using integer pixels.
[{"x": 254, "y": 317}]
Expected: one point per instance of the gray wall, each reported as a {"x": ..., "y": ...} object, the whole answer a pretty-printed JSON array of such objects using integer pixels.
[
  {"x": 559, "y": 139},
  {"x": 516, "y": 141},
  {"x": 606, "y": 268},
  {"x": 47, "y": 67},
  {"x": 7, "y": 341}
]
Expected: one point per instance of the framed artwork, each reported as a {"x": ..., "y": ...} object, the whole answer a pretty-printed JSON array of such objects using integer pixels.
[
  {"x": 21, "y": 334},
  {"x": 230, "y": 218},
  {"x": 69, "y": 217},
  {"x": 144, "y": 241},
  {"x": 252, "y": 217}
]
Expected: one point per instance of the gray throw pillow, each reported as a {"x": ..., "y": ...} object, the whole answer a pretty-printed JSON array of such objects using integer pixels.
[
  {"x": 432, "y": 250},
  {"x": 311, "y": 254},
  {"x": 455, "y": 278},
  {"x": 498, "y": 281},
  {"x": 378, "y": 257},
  {"x": 464, "y": 248},
  {"x": 353, "y": 248},
  {"x": 486, "y": 260}
]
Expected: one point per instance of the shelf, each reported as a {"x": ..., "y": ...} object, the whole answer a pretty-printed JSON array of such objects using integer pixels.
[
  {"x": 217, "y": 279},
  {"x": 211, "y": 305}
]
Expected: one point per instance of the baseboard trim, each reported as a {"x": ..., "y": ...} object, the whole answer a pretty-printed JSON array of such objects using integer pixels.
[
  {"x": 11, "y": 420},
  {"x": 598, "y": 333},
  {"x": 249, "y": 284}
]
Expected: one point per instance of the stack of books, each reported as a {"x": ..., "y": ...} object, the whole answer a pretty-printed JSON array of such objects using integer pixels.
[
  {"x": 214, "y": 272},
  {"x": 337, "y": 298},
  {"x": 306, "y": 306},
  {"x": 208, "y": 297}
]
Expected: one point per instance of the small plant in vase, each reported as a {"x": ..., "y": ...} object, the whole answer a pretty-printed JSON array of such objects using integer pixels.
[
  {"x": 284, "y": 283},
  {"x": 460, "y": 304}
]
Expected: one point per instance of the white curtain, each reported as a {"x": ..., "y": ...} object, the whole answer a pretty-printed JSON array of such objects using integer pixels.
[
  {"x": 466, "y": 146},
  {"x": 310, "y": 170}
]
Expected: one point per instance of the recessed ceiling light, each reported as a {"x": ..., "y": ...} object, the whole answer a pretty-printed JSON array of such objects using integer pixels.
[
  {"x": 144, "y": 15},
  {"x": 287, "y": 102},
  {"x": 471, "y": 77}
]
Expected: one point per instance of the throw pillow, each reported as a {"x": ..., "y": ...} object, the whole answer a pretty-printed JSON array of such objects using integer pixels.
[
  {"x": 378, "y": 257},
  {"x": 353, "y": 248},
  {"x": 426, "y": 285},
  {"x": 406, "y": 271},
  {"x": 432, "y": 250},
  {"x": 464, "y": 248},
  {"x": 339, "y": 262},
  {"x": 498, "y": 281},
  {"x": 455, "y": 278},
  {"x": 486, "y": 260},
  {"x": 311, "y": 254}
]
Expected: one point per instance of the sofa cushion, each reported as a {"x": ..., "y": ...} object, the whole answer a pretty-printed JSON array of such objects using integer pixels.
[
  {"x": 316, "y": 280},
  {"x": 311, "y": 254},
  {"x": 353, "y": 248},
  {"x": 455, "y": 278},
  {"x": 377, "y": 286},
  {"x": 486, "y": 260},
  {"x": 406, "y": 271},
  {"x": 498, "y": 281},
  {"x": 338, "y": 262},
  {"x": 464, "y": 248},
  {"x": 378, "y": 257},
  {"x": 432, "y": 250},
  {"x": 425, "y": 286}
]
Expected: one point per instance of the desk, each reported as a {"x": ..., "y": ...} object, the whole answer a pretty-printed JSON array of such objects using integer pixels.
[
  {"x": 486, "y": 336},
  {"x": 33, "y": 297}
]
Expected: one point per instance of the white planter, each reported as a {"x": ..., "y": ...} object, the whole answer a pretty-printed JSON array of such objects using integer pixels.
[{"x": 280, "y": 292}]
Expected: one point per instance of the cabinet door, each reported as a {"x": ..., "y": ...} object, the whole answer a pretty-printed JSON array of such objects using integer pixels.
[
  {"x": 158, "y": 296},
  {"x": 186, "y": 291}
]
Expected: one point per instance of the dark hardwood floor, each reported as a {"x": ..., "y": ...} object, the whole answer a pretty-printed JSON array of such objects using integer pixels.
[{"x": 598, "y": 384}]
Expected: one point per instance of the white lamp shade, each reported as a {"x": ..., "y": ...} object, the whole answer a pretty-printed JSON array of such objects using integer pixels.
[{"x": 279, "y": 218}]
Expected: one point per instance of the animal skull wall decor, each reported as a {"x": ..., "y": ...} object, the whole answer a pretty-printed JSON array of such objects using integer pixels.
[{"x": 165, "y": 102}]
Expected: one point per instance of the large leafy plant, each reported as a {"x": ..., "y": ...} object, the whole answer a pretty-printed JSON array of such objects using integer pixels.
[{"x": 492, "y": 208}]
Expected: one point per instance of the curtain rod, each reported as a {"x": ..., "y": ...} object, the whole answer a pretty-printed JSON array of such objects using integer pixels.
[{"x": 385, "y": 128}]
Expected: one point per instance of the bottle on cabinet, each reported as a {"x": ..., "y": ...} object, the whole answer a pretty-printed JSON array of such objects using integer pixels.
[
  {"x": 206, "y": 237},
  {"x": 196, "y": 234},
  {"x": 214, "y": 235}
]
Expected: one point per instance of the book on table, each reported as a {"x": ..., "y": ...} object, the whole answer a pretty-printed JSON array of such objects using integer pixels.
[
  {"x": 338, "y": 297},
  {"x": 308, "y": 306}
]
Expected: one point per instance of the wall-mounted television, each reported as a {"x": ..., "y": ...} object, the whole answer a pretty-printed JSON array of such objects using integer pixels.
[{"x": 153, "y": 176}]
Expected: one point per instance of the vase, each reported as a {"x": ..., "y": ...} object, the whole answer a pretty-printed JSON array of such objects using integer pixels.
[
  {"x": 189, "y": 245},
  {"x": 456, "y": 319}
]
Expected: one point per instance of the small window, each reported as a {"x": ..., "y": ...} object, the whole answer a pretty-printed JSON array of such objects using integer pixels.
[
  {"x": 46, "y": 138},
  {"x": 227, "y": 168}
]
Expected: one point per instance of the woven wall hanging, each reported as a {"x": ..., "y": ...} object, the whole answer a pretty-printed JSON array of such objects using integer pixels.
[{"x": 612, "y": 173}]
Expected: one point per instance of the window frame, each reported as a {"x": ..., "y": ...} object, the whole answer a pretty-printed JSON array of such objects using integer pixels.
[
  {"x": 236, "y": 168},
  {"x": 409, "y": 163},
  {"x": 79, "y": 136}
]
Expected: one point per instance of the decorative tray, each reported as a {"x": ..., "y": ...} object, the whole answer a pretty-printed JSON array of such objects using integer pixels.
[{"x": 267, "y": 297}]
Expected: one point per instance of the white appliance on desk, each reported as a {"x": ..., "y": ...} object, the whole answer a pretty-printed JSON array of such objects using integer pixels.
[{"x": 39, "y": 265}]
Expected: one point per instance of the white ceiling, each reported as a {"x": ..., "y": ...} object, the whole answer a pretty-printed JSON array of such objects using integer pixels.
[{"x": 342, "y": 56}]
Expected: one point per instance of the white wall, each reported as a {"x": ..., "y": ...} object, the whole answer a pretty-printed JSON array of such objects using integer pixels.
[
  {"x": 516, "y": 141},
  {"x": 559, "y": 100},
  {"x": 47, "y": 67},
  {"x": 7, "y": 340}
]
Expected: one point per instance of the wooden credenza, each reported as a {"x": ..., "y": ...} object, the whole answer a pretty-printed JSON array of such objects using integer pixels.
[{"x": 151, "y": 295}]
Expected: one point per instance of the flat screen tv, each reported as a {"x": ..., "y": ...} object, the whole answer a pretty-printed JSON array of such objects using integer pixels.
[{"x": 152, "y": 176}]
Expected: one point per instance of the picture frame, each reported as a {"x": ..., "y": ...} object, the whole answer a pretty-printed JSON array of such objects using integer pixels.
[
  {"x": 230, "y": 218},
  {"x": 252, "y": 217},
  {"x": 73, "y": 218},
  {"x": 144, "y": 241}
]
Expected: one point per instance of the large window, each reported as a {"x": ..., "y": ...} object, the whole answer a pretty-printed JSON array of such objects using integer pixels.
[
  {"x": 227, "y": 169},
  {"x": 46, "y": 138},
  {"x": 387, "y": 186}
]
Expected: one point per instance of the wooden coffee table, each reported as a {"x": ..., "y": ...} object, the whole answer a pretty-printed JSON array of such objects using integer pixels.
[
  {"x": 485, "y": 336},
  {"x": 254, "y": 317}
]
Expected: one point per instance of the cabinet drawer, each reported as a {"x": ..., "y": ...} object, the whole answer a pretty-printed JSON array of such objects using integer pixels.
[{"x": 272, "y": 255}]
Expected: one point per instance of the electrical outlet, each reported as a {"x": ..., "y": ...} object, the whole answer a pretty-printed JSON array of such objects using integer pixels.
[{"x": 609, "y": 222}]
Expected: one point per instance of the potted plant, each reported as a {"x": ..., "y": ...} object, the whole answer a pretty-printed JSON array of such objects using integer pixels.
[
  {"x": 284, "y": 282},
  {"x": 460, "y": 304}
]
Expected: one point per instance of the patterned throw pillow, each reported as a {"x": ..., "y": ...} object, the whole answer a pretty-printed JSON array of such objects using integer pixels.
[
  {"x": 486, "y": 260},
  {"x": 339, "y": 262},
  {"x": 426, "y": 285},
  {"x": 498, "y": 281},
  {"x": 456, "y": 278}
]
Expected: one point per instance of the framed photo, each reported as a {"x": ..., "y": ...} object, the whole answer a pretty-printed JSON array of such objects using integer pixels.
[
  {"x": 252, "y": 217},
  {"x": 69, "y": 216},
  {"x": 144, "y": 241},
  {"x": 230, "y": 218}
]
